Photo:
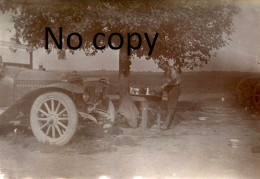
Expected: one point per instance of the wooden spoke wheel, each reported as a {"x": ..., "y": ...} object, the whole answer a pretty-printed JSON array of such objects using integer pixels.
[
  {"x": 256, "y": 97},
  {"x": 53, "y": 118},
  {"x": 245, "y": 90}
]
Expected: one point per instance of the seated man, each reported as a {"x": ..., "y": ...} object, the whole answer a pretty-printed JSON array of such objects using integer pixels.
[{"x": 172, "y": 87}]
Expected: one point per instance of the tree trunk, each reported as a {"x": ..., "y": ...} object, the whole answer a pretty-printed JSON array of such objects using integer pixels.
[
  {"x": 124, "y": 72},
  {"x": 126, "y": 106}
]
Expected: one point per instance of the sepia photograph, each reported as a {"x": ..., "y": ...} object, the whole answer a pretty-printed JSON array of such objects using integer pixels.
[{"x": 129, "y": 89}]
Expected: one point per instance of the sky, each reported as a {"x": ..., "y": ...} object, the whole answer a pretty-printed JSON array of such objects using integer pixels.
[{"x": 242, "y": 53}]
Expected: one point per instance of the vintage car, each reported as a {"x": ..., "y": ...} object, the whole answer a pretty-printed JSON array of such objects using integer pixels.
[{"x": 51, "y": 102}]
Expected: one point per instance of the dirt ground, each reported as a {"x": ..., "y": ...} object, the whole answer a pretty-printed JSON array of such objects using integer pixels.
[{"x": 217, "y": 146}]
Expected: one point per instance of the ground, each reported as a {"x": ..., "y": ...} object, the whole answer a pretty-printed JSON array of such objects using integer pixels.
[{"x": 211, "y": 137}]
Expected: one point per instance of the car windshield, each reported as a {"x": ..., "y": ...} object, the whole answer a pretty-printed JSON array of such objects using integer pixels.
[{"x": 14, "y": 54}]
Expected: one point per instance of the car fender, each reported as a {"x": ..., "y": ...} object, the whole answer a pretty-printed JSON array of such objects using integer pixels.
[
  {"x": 73, "y": 88},
  {"x": 23, "y": 105}
]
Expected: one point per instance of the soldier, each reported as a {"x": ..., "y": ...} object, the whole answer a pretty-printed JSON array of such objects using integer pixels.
[
  {"x": 2, "y": 67},
  {"x": 171, "y": 85}
]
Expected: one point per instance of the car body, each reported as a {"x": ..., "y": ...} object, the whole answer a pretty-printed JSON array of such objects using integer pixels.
[{"x": 51, "y": 102}]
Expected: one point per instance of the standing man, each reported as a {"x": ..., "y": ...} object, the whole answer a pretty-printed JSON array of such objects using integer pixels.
[
  {"x": 171, "y": 85},
  {"x": 2, "y": 67}
]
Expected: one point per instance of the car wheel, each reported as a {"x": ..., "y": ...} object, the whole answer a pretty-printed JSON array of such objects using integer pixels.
[
  {"x": 256, "y": 98},
  {"x": 54, "y": 118},
  {"x": 245, "y": 89}
]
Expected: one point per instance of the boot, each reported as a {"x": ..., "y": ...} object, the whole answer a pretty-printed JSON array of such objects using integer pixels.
[{"x": 168, "y": 121}]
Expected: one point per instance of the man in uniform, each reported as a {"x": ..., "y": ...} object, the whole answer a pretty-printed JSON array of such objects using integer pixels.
[
  {"x": 172, "y": 87},
  {"x": 2, "y": 67}
]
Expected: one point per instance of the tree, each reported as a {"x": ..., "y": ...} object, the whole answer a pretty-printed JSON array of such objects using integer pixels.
[{"x": 189, "y": 30}]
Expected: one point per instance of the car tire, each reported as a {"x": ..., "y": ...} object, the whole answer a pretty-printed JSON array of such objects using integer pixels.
[{"x": 54, "y": 118}]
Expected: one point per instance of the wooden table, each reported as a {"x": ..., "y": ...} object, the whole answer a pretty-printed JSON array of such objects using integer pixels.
[
  {"x": 144, "y": 108},
  {"x": 144, "y": 101}
]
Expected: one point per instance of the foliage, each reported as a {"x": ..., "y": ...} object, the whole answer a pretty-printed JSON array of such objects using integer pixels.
[{"x": 189, "y": 30}]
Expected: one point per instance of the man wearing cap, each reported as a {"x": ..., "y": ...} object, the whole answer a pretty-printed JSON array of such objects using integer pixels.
[{"x": 172, "y": 87}]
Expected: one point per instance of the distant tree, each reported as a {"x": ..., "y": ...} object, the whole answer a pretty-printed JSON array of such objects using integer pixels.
[{"x": 189, "y": 30}]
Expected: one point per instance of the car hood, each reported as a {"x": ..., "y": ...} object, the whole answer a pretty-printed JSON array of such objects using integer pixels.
[{"x": 39, "y": 75}]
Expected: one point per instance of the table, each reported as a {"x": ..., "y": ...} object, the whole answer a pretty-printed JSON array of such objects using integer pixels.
[
  {"x": 144, "y": 108},
  {"x": 144, "y": 101}
]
